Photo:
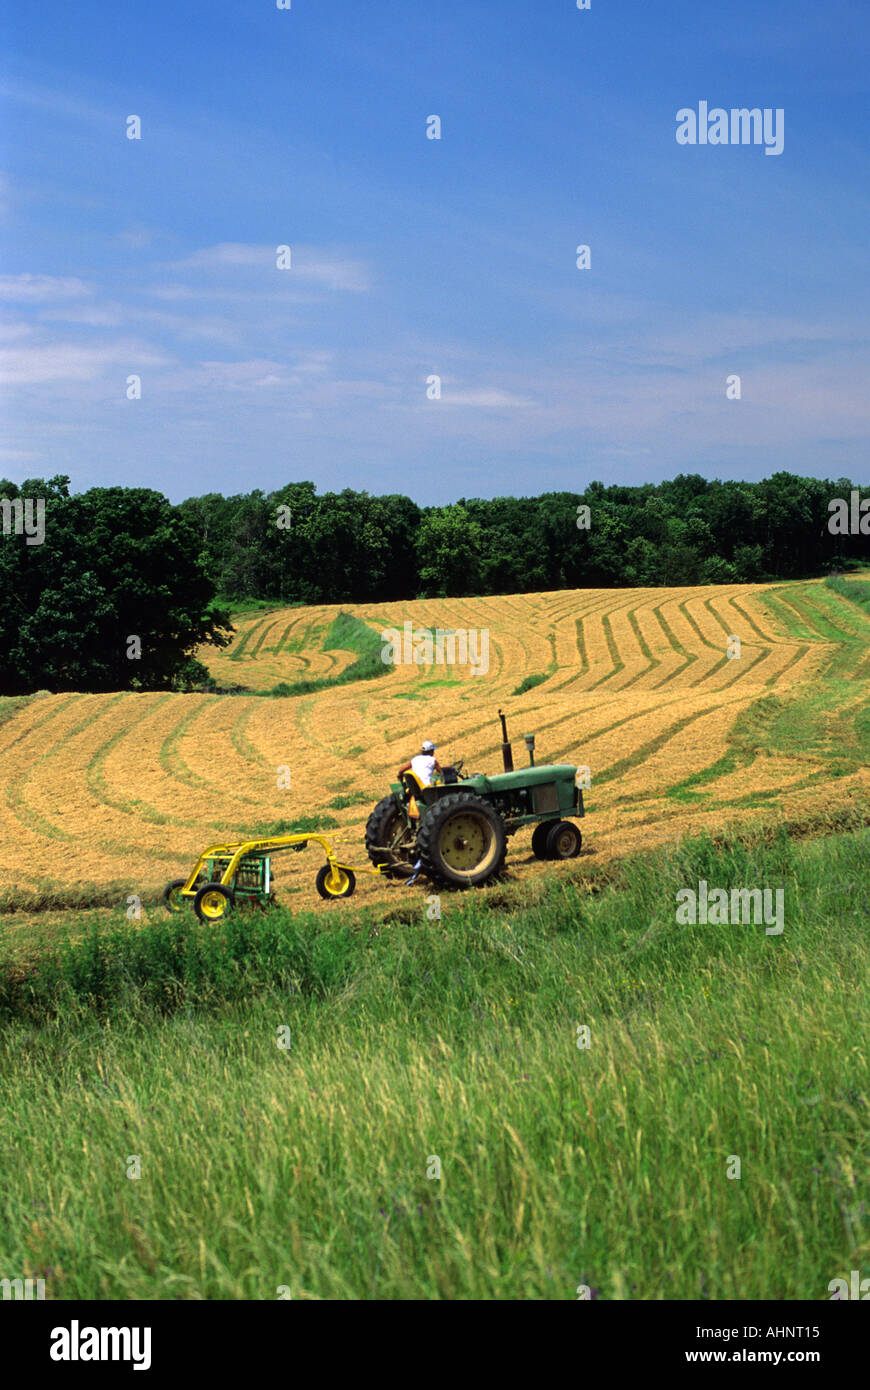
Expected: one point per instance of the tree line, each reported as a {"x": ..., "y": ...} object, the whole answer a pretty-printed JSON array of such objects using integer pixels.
[
  {"x": 298, "y": 547},
  {"x": 117, "y": 587}
]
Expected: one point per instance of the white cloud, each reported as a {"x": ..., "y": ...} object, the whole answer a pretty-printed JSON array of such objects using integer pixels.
[
  {"x": 110, "y": 316},
  {"x": 487, "y": 398},
  {"x": 11, "y": 332},
  {"x": 234, "y": 253},
  {"x": 38, "y": 364},
  {"x": 17, "y": 455},
  {"x": 226, "y": 376},
  {"x": 58, "y": 103},
  {"x": 36, "y": 289},
  {"x": 217, "y": 330},
  {"x": 136, "y": 238},
  {"x": 174, "y": 292},
  {"x": 308, "y": 265},
  {"x": 315, "y": 364}
]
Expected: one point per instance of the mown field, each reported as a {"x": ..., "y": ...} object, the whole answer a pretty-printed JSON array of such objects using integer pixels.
[
  {"x": 420, "y": 1047},
  {"x": 111, "y": 794}
]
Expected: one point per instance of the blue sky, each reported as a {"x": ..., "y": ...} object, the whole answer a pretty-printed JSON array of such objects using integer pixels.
[{"x": 414, "y": 257}]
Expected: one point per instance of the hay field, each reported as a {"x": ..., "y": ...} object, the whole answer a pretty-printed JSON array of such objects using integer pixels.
[
  {"x": 125, "y": 789},
  {"x": 284, "y": 645}
]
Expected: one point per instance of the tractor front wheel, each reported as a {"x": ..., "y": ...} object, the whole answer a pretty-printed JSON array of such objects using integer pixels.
[
  {"x": 563, "y": 840},
  {"x": 213, "y": 901},
  {"x": 333, "y": 882},
  {"x": 461, "y": 841}
]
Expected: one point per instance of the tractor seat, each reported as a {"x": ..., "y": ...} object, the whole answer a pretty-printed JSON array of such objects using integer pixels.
[{"x": 414, "y": 787}]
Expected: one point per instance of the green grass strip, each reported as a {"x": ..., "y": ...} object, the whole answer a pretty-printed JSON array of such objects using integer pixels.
[{"x": 346, "y": 633}]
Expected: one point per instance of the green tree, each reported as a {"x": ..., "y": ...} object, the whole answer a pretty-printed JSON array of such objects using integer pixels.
[
  {"x": 115, "y": 598},
  {"x": 449, "y": 548}
]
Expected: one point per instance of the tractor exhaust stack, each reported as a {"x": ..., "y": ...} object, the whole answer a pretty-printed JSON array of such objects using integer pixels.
[{"x": 507, "y": 755}]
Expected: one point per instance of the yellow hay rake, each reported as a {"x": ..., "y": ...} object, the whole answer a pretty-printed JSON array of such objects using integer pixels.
[{"x": 227, "y": 874}]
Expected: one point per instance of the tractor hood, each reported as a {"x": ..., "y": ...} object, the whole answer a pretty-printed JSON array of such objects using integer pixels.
[{"x": 523, "y": 777}]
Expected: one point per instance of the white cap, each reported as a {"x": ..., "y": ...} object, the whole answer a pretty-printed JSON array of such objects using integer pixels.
[{"x": 428, "y": 746}]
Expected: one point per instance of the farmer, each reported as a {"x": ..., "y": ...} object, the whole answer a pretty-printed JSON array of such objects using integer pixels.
[{"x": 424, "y": 764}]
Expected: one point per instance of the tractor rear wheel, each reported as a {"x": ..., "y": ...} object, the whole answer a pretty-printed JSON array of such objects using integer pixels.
[
  {"x": 539, "y": 839},
  {"x": 563, "y": 841},
  {"x": 390, "y": 839},
  {"x": 461, "y": 841},
  {"x": 213, "y": 901}
]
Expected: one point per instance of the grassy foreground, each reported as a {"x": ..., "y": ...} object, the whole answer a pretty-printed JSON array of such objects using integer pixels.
[{"x": 313, "y": 1167}]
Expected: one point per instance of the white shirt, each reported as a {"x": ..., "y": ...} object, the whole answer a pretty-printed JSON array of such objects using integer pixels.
[{"x": 423, "y": 766}]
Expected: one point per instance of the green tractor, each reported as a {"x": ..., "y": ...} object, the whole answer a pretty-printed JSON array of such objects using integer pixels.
[{"x": 456, "y": 831}]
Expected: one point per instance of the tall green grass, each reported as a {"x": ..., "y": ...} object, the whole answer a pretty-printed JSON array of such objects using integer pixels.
[
  {"x": 856, "y": 590},
  {"x": 413, "y": 1040}
]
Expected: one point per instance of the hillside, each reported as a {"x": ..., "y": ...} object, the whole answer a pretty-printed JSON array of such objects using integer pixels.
[{"x": 121, "y": 791}]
